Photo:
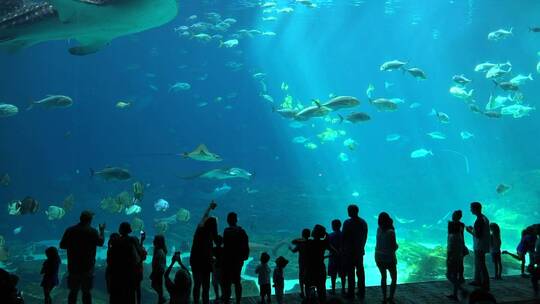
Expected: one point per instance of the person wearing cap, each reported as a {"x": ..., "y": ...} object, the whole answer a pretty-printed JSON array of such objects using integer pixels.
[{"x": 81, "y": 241}]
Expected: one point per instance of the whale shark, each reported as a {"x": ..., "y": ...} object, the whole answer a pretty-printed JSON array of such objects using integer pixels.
[{"x": 93, "y": 23}]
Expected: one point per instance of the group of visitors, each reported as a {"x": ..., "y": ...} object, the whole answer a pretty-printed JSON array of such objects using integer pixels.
[
  {"x": 217, "y": 260},
  {"x": 487, "y": 239}
]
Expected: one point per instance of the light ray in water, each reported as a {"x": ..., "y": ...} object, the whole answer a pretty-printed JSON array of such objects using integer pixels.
[{"x": 460, "y": 154}]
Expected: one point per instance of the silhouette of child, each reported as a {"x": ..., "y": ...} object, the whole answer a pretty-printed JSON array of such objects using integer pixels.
[
  {"x": 335, "y": 266},
  {"x": 158, "y": 266},
  {"x": 180, "y": 289},
  {"x": 300, "y": 248},
  {"x": 279, "y": 279},
  {"x": 263, "y": 271},
  {"x": 217, "y": 266},
  {"x": 454, "y": 257},
  {"x": 50, "y": 272},
  {"x": 495, "y": 246}
]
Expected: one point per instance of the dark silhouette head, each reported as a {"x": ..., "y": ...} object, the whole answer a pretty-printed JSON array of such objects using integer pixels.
[
  {"x": 481, "y": 296},
  {"x": 476, "y": 208},
  {"x": 385, "y": 222},
  {"x": 495, "y": 229},
  {"x": 113, "y": 238},
  {"x": 353, "y": 210},
  {"x": 86, "y": 217},
  {"x": 281, "y": 262},
  {"x": 265, "y": 257},
  {"x": 159, "y": 243},
  {"x": 306, "y": 233},
  {"x": 219, "y": 240},
  {"x": 211, "y": 226},
  {"x": 336, "y": 225},
  {"x": 457, "y": 215},
  {"x": 52, "y": 254},
  {"x": 318, "y": 232},
  {"x": 232, "y": 219},
  {"x": 124, "y": 229}
]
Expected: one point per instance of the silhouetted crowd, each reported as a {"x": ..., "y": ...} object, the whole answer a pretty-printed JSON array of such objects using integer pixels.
[{"x": 217, "y": 260}]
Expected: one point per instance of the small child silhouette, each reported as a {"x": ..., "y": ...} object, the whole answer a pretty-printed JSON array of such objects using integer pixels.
[
  {"x": 263, "y": 271},
  {"x": 49, "y": 270}
]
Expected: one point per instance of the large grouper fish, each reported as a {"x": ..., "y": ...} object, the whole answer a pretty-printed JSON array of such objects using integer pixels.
[{"x": 93, "y": 23}]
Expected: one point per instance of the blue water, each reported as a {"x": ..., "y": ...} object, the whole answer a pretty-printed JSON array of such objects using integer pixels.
[{"x": 336, "y": 48}]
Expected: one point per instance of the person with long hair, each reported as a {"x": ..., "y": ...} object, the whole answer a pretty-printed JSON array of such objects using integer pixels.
[
  {"x": 201, "y": 258},
  {"x": 385, "y": 254},
  {"x": 159, "y": 264},
  {"x": 495, "y": 247}
]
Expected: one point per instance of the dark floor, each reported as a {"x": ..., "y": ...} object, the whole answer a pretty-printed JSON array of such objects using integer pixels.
[{"x": 512, "y": 289}]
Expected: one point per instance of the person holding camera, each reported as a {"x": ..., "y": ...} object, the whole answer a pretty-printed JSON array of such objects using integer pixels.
[{"x": 179, "y": 289}]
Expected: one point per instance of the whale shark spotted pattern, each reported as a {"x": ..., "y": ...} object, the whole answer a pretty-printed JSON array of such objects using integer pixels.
[{"x": 83, "y": 21}]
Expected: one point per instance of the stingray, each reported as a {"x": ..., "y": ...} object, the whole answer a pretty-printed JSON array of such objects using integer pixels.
[
  {"x": 201, "y": 153},
  {"x": 223, "y": 173},
  {"x": 92, "y": 23}
]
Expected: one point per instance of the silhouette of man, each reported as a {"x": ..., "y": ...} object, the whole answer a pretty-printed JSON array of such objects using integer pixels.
[
  {"x": 235, "y": 252},
  {"x": 355, "y": 231},
  {"x": 81, "y": 241},
  {"x": 480, "y": 233}
]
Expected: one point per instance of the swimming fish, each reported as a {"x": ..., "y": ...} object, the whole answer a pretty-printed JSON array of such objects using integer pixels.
[
  {"x": 384, "y": 105},
  {"x": 53, "y": 101},
  {"x": 343, "y": 157},
  {"x": 92, "y": 23},
  {"x": 133, "y": 209},
  {"x": 310, "y": 146},
  {"x": 503, "y": 188},
  {"x": 161, "y": 205},
  {"x": 5, "y": 180},
  {"x": 498, "y": 102},
  {"x": 55, "y": 213},
  {"x": 459, "y": 92},
  {"x": 179, "y": 86},
  {"x": 500, "y": 34},
  {"x": 466, "y": 135},
  {"x": 417, "y": 73},
  {"x": 443, "y": 117},
  {"x": 437, "y": 135},
  {"x": 507, "y": 85},
  {"x": 229, "y": 43},
  {"x": 299, "y": 140},
  {"x": 317, "y": 110},
  {"x": 17, "y": 230},
  {"x": 341, "y": 102},
  {"x": 484, "y": 67},
  {"x": 7, "y": 110},
  {"x": 223, "y": 173},
  {"x": 460, "y": 79},
  {"x": 393, "y": 137},
  {"x": 414, "y": 105},
  {"x": 350, "y": 143},
  {"x": 286, "y": 112},
  {"x": 201, "y": 153},
  {"x": 403, "y": 220},
  {"x": 369, "y": 91},
  {"x": 123, "y": 104},
  {"x": 112, "y": 173},
  {"x": 521, "y": 79},
  {"x": 497, "y": 72},
  {"x": 355, "y": 117},
  {"x": 517, "y": 110},
  {"x": 392, "y": 65},
  {"x": 420, "y": 153}
]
